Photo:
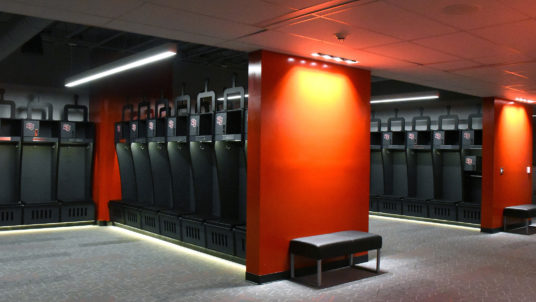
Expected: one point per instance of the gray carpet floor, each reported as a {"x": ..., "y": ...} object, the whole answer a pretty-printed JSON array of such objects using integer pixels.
[{"x": 420, "y": 262}]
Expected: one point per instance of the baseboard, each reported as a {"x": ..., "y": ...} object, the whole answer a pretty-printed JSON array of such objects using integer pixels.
[
  {"x": 261, "y": 279},
  {"x": 491, "y": 231},
  {"x": 103, "y": 223}
]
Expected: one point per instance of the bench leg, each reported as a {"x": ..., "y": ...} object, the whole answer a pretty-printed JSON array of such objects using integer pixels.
[
  {"x": 504, "y": 223},
  {"x": 318, "y": 272},
  {"x": 291, "y": 265},
  {"x": 527, "y": 226},
  {"x": 351, "y": 260},
  {"x": 377, "y": 261}
]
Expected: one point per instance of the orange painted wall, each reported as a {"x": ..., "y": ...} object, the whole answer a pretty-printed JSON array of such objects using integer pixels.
[
  {"x": 507, "y": 143},
  {"x": 308, "y": 154},
  {"x": 107, "y": 100}
]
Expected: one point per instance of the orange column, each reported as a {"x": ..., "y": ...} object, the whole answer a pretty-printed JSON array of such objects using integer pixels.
[
  {"x": 507, "y": 144},
  {"x": 308, "y": 156}
]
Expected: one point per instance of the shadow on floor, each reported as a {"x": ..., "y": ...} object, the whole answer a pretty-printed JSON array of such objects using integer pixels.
[
  {"x": 338, "y": 276},
  {"x": 523, "y": 231}
]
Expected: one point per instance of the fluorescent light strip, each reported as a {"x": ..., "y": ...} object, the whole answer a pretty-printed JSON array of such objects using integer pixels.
[
  {"x": 234, "y": 97},
  {"x": 405, "y": 99},
  {"x": 122, "y": 68}
]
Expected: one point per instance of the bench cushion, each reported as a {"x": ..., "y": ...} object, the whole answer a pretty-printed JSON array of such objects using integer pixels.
[
  {"x": 521, "y": 211},
  {"x": 321, "y": 246},
  {"x": 362, "y": 241}
]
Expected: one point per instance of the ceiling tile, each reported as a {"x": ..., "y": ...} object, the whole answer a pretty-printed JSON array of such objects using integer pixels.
[
  {"x": 519, "y": 35},
  {"x": 48, "y": 12},
  {"x": 163, "y": 32},
  {"x": 412, "y": 53},
  {"x": 464, "y": 45},
  {"x": 477, "y": 13},
  {"x": 325, "y": 30},
  {"x": 297, "y": 4},
  {"x": 527, "y": 7},
  {"x": 105, "y": 8},
  {"x": 238, "y": 45},
  {"x": 165, "y": 17},
  {"x": 383, "y": 18},
  {"x": 492, "y": 74},
  {"x": 504, "y": 59},
  {"x": 453, "y": 65},
  {"x": 240, "y": 11}
]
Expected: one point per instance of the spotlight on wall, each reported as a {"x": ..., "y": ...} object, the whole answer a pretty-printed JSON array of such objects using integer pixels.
[
  {"x": 334, "y": 58},
  {"x": 143, "y": 58},
  {"x": 405, "y": 97}
]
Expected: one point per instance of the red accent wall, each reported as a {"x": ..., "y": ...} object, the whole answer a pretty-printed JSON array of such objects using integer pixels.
[
  {"x": 507, "y": 143},
  {"x": 108, "y": 96},
  {"x": 308, "y": 154}
]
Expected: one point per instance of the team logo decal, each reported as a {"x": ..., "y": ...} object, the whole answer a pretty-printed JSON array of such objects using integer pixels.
[
  {"x": 437, "y": 135},
  {"x": 386, "y": 137},
  {"x": 133, "y": 127},
  {"x": 469, "y": 161},
  {"x": 30, "y": 126},
  {"x": 151, "y": 125},
  {"x": 171, "y": 124},
  {"x": 466, "y": 135},
  {"x": 219, "y": 120},
  {"x": 118, "y": 128},
  {"x": 66, "y": 127},
  {"x": 193, "y": 122},
  {"x": 411, "y": 136}
]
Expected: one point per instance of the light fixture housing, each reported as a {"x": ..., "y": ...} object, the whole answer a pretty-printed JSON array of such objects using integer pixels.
[
  {"x": 137, "y": 60},
  {"x": 405, "y": 97},
  {"x": 334, "y": 58}
]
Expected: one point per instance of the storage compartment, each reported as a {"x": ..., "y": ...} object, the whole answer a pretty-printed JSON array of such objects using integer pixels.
[
  {"x": 170, "y": 225},
  {"x": 442, "y": 210},
  {"x": 414, "y": 207},
  {"x": 220, "y": 237},
  {"x": 132, "y": 217},
  {"x": 390, "y": 204},
  {"x": 206, "y": 124},
  {"x": 77, "y": 211},
  {"x": 193, "y": 231},
  {"x": 469, "y": 212},
  {"x": 10, "y": 215},
  {"x": 39, "y": 214},
  {"x": 375, "y": 139},
  {"x": 149, "y": 221}
]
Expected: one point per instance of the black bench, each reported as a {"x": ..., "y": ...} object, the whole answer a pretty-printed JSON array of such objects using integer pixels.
[
  {"x": 333, "y": 245},
  {"x": 524, "y": 211}
]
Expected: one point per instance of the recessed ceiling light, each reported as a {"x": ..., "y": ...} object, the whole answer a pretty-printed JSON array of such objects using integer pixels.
[
  {"x": 302, "y": 61},
  {"x": 313, "y": 64},
  {"x": 350, "y": 61},
  {"x": 338, "y": 59},
  {"x": 328, "y": 57},
  {"x": 325, "y": 65},
  {"x": 315, "y": 54},
  {"x": 291, "y": 59}
]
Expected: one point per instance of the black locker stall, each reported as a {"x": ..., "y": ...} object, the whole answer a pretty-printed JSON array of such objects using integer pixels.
[
  {"x": 160, "y": 170},
  {"x": 207, "y": 197},
  {"x": 447, "y": 169},
  {"x": 118, "y": 208},
  {"x": 39, "y": 167},
  {"x": 142, "y": 167},
  {"x": 469, "y": 210},
  {"x": 231, "y": 168},
  {"x": 376, "y": 164},
  {"x": 394, "y": 167},
  {"x": 178, "y": 151},
  {"x": 75, "y": 166},
  {"x": 420, "y": 168},
  {"x": 10, "y": 152}
]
